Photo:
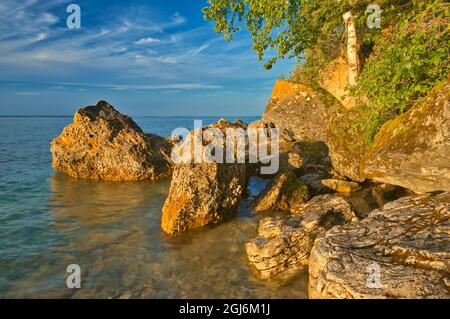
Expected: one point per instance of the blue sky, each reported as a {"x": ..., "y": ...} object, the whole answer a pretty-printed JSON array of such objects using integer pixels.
[{"x": 145, "y": 57}]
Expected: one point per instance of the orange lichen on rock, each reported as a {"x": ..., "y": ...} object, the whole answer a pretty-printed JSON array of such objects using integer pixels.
[
  {"x": 102, "y": 143},
  {"x": 284, "y": 89}
]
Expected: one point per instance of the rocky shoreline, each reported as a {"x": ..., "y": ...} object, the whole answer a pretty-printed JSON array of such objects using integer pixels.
[{"x": 401, "y": 250}]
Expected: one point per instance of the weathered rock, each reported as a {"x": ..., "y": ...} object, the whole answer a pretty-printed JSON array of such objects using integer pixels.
[
  {"x": 326, "y": 203},
  {"x": 298, "y": 110},
  {"x": 285, "y": 192},
  {"x": 399, "y": 251},
  {"x": 103, "y": 144},
  {"x": 289, "y": 161},
  {"x": 341, "y": 186},
  {"x": 413, "y": 150},
  {"x": 346, "y": 143},
  {"x": 203, "y": 193},
  {"x": 334, "y": 79},
  {"x": 283, "y": 246}
]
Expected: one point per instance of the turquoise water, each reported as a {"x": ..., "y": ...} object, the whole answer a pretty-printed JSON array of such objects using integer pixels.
[{"x": 112, "y": 230}]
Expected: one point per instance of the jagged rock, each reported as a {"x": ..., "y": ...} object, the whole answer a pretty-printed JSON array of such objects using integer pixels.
[
  {"x": 340, "y": 186},
  {"x": 206, "y": 192},
  {"x": 399, "y": 251},
  {"x": 283, "y": 193},
  {"x": 283, "y": 246},
  {"x": 104, "y": 144},
  {"x": 334, "y": 79},
  {"x": 298, "y": 110},
  {"x": 413, "y": 150}
]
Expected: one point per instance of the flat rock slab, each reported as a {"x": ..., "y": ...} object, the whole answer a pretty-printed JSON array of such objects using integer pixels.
[{"x": 399, "y": 251}]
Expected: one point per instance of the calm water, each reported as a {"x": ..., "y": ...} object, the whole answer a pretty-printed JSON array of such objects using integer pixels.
[{"x": 112, "y": 230}]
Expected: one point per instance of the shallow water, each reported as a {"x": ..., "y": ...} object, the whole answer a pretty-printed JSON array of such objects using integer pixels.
[{"x": 112, "y": 230}]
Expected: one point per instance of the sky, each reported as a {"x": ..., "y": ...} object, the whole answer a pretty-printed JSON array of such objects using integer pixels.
[{"x": 145, "y": 57}]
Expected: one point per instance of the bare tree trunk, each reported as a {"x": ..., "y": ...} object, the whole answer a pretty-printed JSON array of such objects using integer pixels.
[{"x": 352, "y": 49}]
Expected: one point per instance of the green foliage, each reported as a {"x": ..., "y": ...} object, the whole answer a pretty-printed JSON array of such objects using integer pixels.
[
  {"x": 409, "y": 60},
  {"x": 401, "y": 62},
  {"x": 286, "y": 27}
]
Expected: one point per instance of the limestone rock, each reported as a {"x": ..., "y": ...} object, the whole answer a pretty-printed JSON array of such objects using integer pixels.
[
  {"x": 334, "y": 79},
  {"x": 341, "y": 186},
  {"x": 285, "y": 192},
  {"x": 399, "y": 251},
  {"x": 104, "y": 144},
  {"x": 298, "y": 110},
  {"x": 413, "y": 150},
  {"x": 283, "y": 246},
  {"x": 203, "y": 193}
]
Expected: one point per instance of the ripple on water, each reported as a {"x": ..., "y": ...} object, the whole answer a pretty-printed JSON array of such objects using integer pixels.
[{"x": 112, "y": 230}]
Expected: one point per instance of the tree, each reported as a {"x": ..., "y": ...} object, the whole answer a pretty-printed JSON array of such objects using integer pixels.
[
  {"x": 290, "y": 27},
  {"x": 352, "y": 48},
  {"x": 286, "y": 27}
]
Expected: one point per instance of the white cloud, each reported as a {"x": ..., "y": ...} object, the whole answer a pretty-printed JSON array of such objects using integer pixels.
[{"x": 148, "y": 40}]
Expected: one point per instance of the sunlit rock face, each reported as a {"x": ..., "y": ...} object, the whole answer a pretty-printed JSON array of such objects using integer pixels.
[
  {"x": 413, "y": 150},
  {"x": 298, "y": 110},
  {"x": 206, "y": 192},
  {"x": 305, "y": 115},
  {"x": 334, "y": 79},
  {"x": 282, "y": 246},
  {"x": 104, "y": 144},
  {"x": 399, "y": 251}
]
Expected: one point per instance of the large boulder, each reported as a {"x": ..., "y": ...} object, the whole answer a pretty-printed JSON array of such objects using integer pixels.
[
  {"x": 306, "y": 116},
  {"x": 413, "y": 150},
  {"x": 282, "y": 246},
  {"x": 206, "y": 192},
  {"x": 297, "y": 110},
  {"x": 399, "y": 251},
  {"x": 104, "y": 144}
]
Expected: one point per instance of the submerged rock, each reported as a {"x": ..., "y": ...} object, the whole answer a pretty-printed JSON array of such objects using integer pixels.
[
  {"x": 399, "y": 251},
  {"x": 206, "y": 192},
  {"x": 413, "y": 150},
  {"x": 104, "y": 144},
  {"x": 283, "y": 246},
  {"x": 283, "y": 193}
]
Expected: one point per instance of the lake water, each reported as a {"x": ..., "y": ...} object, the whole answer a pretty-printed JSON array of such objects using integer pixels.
[{"x": 112, "y": 230}]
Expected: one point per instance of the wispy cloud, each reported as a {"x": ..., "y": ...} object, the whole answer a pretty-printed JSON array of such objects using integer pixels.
[
  {"x": 148, "y": 40},
  {"x": 127, "y": 48}
]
